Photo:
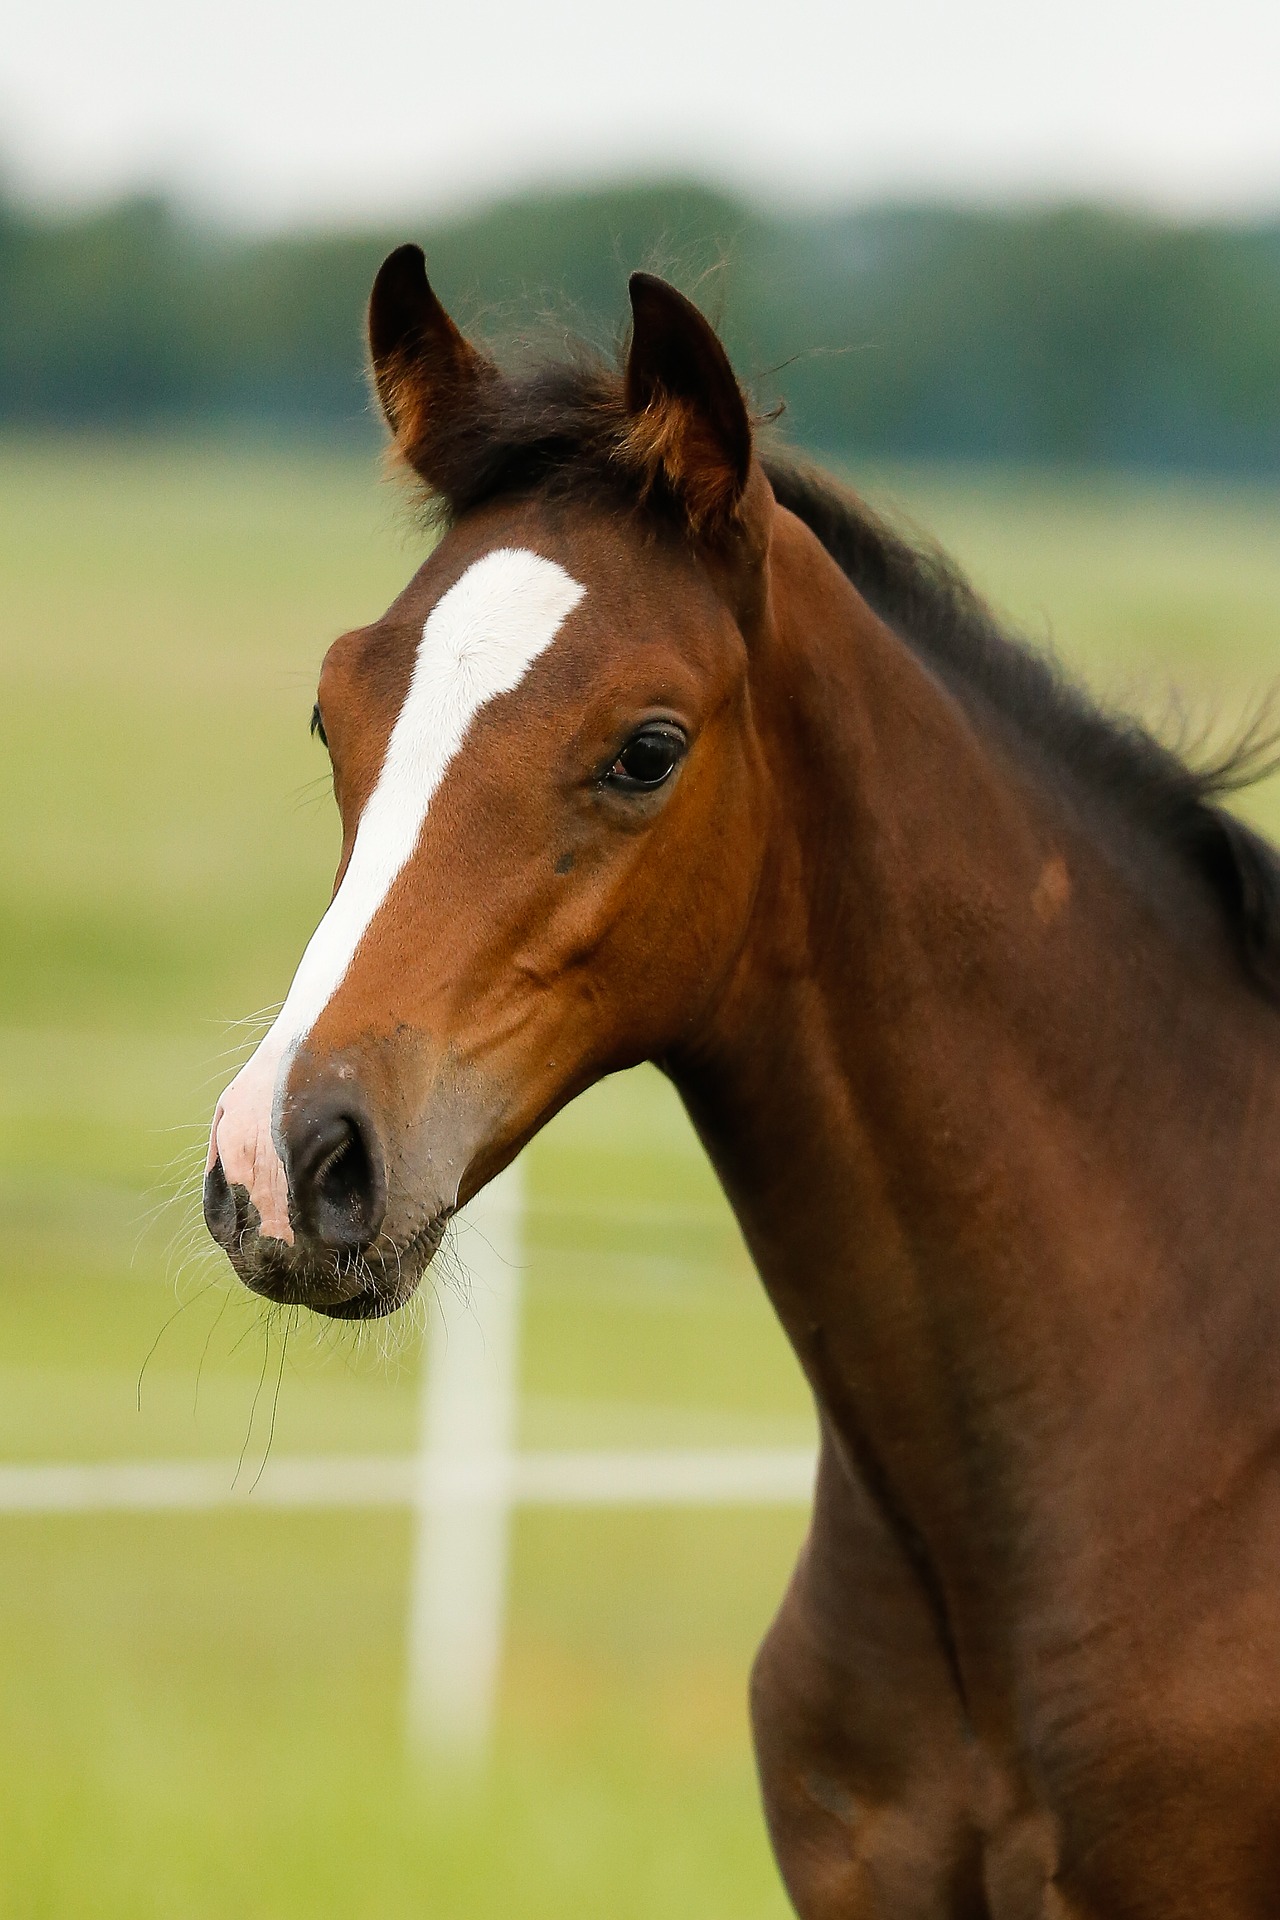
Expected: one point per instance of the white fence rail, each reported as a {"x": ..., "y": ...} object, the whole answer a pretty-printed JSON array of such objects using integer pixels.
[{"x": 651, "y": 1477}]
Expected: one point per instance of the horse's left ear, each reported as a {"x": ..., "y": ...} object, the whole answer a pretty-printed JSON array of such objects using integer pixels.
[
  {"x": 688, "y": 416},
  {"x": 426, "y": 372}
]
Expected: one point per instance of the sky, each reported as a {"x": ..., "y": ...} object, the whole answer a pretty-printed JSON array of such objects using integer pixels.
[{"x": 274, "y": 112}]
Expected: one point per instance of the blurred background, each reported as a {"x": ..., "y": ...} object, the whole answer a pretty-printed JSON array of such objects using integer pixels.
[{"x": 1016, "y": 271}]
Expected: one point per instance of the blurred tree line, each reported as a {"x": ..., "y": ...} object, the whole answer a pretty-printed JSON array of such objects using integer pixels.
[{"x": 1075, "y": 334}]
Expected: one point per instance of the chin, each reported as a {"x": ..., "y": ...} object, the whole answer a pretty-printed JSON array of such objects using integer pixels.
[{"x": 356, "y": 1284}]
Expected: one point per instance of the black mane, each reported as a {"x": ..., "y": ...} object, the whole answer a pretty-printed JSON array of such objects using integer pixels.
[{"x": 555, "y": 433}]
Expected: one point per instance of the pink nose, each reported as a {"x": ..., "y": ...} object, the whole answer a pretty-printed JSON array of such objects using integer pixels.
[{"x": 326, "y": 1188}]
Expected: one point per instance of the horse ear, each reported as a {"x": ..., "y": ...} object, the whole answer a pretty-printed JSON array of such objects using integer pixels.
[
  {"x": 424, "y": 370},
  {"x": 688, "y": 416}
]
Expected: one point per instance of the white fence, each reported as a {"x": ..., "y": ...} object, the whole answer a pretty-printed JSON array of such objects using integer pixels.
[
  {"x": 463, "y": 1485},
  {"x": 648, "y": 1477}
]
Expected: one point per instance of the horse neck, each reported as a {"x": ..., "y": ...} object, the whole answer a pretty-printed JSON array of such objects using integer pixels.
[{"x": 978, "y": 1109}]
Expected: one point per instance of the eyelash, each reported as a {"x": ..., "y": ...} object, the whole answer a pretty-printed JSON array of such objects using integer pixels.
[{"x": 317, "y": 726}]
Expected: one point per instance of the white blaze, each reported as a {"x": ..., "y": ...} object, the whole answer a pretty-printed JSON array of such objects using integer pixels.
[{"x": 479, "y": 640}]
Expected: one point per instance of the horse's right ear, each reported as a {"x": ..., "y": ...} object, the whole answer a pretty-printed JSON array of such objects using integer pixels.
[{"x": 425, "y": 371}]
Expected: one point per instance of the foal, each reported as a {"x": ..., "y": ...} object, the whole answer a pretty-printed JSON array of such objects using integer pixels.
[{"x": 672, "y": 753}]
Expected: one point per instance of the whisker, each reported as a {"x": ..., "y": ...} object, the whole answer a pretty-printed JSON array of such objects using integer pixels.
[
  {"x": 252, "y": 1327},
  {"x": 257, "y": 1395},
  {"x": 177, "y": 1312},
  {"x": 204, "y": 1351},
  {"x": 275, "y": 1404}
]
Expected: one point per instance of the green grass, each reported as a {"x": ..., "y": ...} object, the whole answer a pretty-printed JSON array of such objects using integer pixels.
[{"x": 199, "y": 1715}]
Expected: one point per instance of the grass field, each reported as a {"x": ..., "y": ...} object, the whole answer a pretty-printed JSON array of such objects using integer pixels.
[{"x": 199, "y": 1715}]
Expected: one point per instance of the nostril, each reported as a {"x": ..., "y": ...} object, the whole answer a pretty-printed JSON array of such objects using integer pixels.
[
  {"x": 336, "y": 1182},
  {"x": 219, "y": 1206}
]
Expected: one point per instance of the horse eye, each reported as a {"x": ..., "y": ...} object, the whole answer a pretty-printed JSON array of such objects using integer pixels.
[
  {"x": 649, "y": 758},
  {"x": 317, "y": 726}
]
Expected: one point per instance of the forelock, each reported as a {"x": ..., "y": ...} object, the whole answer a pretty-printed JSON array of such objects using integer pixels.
[{"x": 558, "y": 429}]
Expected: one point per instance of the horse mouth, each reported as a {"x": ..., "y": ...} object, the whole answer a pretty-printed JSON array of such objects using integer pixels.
[
  {"x": 368, "y": 1285},
  {"x": 370, "y": 1304},
  {"x": 393, "y": 1283}
]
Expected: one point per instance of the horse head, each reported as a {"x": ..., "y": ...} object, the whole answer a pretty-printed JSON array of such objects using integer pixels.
[{"x": 549, "y": 786}]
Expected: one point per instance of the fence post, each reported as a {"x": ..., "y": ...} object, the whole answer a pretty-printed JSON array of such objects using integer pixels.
[{"x": 470, "y": 1402}]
